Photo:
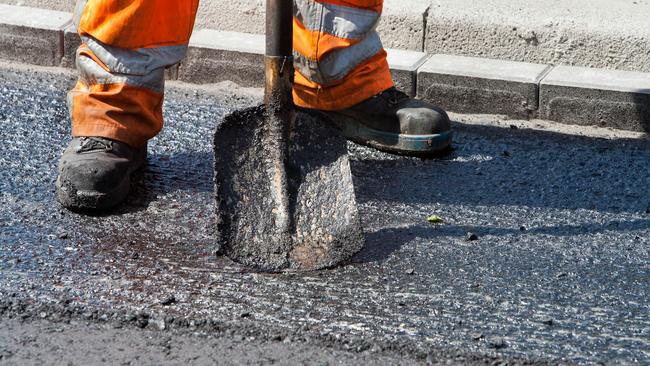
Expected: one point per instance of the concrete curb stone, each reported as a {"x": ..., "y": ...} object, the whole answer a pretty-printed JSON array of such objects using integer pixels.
[
  {"x": 215, "y": 56},
  {"x": 584, "y": 96},
  {"x": 403, "y": 67},
  {"x": 32, "y": 35},
  {"x": 71, "y": 42},
  {"x": 477, "y": 85}
]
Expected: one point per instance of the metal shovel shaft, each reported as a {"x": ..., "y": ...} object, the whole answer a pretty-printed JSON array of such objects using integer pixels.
[
  {"x": 278, "y": 55},
  {"x": 278, "y": 64}
]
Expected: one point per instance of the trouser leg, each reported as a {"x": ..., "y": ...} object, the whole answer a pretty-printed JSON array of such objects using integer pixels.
[
  {"x": 126, "y": 46},
  {"x": 338, "y": 55}
]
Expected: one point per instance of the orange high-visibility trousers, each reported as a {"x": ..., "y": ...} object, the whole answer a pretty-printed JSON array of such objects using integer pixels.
[{"x": 126, "y": 45}]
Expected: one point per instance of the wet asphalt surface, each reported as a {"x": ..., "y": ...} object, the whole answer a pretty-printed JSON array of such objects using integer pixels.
[{"x": 557, "y": 268}]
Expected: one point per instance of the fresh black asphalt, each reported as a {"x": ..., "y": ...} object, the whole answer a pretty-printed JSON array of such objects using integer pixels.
[{"x": 543, "y": 254}]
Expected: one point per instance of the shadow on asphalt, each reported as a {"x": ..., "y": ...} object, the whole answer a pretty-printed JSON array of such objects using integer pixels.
[
  {"x": 164, "y": 174},
  {"x": 493, "y": 166},
  {"x": 503, "y": 169}
]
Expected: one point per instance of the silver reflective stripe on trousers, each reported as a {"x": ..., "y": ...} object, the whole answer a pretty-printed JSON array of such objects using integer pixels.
[
  {"x": 339, "y": 21},
  {"x": 78, "y": 10},
  {"x": 143, "y": 67},
  {"x": 337, "y": 65}
]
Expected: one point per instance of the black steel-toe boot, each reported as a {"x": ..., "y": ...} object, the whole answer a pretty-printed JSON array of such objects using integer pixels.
[
  {"x": 95, "y": 173},
  {"x": 395, "y": 123}
]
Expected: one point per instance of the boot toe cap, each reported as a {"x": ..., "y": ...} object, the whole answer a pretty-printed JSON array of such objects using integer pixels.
[{"x": 423, "y": 120}]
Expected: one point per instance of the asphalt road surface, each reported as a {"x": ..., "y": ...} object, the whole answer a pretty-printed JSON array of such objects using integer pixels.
[{"x": 542, "y": 255}]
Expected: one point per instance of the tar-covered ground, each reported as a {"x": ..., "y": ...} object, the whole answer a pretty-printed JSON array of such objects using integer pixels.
[{"x": 543, "y": 255}]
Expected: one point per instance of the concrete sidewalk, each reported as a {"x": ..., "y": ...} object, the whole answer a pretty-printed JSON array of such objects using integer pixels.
[{"x": 593, "y": 33}]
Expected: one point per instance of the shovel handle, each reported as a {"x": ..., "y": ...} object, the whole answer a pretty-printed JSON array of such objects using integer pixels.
[
  {"x": 278, "y": 70},
  {"x": 279, "y": 27},
  {"x": 278, "y": 60}
]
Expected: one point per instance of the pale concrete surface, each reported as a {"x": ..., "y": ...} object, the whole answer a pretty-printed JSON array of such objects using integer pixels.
[
  {"x": 402, "y": 24},
  {"x": 476, "y": 85},
  {"x": 614, "y": 80},
  {"x": 61, "y": 5},
  {"x": 33, "y": 17},
  {"x": 594, "y": 33},
  {"x": 32, "y": 35},
  {"x": 619, "y": 99}
]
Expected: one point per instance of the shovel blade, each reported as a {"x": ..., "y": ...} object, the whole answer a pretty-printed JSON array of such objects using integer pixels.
[{"x": 324, "y": 228}]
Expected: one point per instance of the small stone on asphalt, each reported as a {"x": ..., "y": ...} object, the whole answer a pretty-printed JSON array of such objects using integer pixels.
[
  {"x": 547, "y": 321},
  {"x": 168, "y": 300},
  {"x": 497, "y": 343},
  {"x": 472, "y": 237}
]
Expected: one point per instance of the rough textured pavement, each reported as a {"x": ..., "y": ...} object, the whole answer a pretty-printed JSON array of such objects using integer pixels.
[{"x": 559, "y": 270}]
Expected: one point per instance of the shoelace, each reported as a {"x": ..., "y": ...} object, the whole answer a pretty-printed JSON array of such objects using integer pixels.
[
  {"x": 394, "y": 96},
  {"x": 94, "y": 143}
]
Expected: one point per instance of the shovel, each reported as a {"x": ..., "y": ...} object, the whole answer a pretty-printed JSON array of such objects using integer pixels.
[{"x": 284, "y": 192}]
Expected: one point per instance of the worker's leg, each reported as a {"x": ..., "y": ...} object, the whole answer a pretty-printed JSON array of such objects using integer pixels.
[
  {"x": 116, "y": 105},
  {"x": 341, "y": 67},
  {"x": 126, "y": 46},
  {"x": 338, "y": 55}
]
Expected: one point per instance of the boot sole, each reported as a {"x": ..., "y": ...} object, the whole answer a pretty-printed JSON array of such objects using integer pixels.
[{"x": 394, "y": 143}]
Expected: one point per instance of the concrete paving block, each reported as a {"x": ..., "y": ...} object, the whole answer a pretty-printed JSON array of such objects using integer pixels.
[
  {"x": 402, "y": 24},
  {"x": 588, "y": 33},
  {"x": 32, "y": 35},
  {"x": 215, "y": 56},
  {"x": 611, "y": 98},
  {"x": 476, "y": 85},
  {"x": 403, "y": 67},
  {"x": 71, "y": 42}
]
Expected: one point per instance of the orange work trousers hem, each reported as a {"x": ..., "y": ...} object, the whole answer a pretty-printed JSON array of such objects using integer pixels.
[
  {"x": 121, "y": 134},
  {"x": 365, "y": 81},
  {"x": 119, "y": 112}
]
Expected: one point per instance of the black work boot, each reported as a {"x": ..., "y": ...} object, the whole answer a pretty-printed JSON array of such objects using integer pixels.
[
  {"x": 95, "y": 173},
  {"x": 392, "y": 122}
]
